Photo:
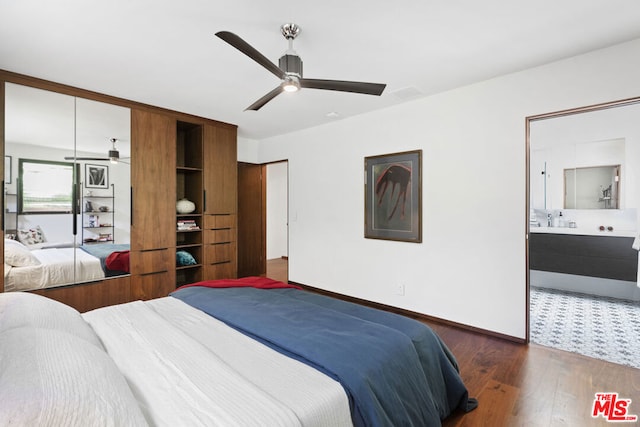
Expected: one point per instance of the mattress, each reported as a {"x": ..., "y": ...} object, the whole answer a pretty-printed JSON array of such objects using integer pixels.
[{"x": 187, "y": 368}]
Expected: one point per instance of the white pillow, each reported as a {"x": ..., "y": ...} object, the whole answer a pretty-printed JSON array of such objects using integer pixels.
[
  {"x": 53, "y": 378},
  {"x": 31, "y": 236},
  {"x": 17, "y": 255},
  {"x": 18, "y": 309}
]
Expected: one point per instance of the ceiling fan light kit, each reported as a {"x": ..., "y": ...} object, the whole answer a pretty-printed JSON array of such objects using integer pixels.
[
  {"x": 113, "y": 155},
  {"x": 289, "y": 70}
]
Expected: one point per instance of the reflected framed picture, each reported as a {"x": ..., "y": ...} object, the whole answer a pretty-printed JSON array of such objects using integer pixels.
[
  {"x": 7, "y": 169},
  {"x": 96, "y": 176},
  {"x": 393, "y": 196}
]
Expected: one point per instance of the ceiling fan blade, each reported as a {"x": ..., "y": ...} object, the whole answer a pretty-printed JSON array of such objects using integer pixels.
[
  {"x": 251, "y": 52},
  {"x": 344, "y": 86},
  {"x": 94, "y": 159},
  {"x": 262, "y": 101}
]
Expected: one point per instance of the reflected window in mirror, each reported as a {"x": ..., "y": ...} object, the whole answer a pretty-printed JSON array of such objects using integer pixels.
[{"x": 45, "y": 187}]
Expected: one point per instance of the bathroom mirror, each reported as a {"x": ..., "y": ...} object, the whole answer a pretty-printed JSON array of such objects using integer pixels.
[
  {"x": 67, "y": 206},
  {"x": 595, "y": 187},
  {"x": 576, "y": 157}
]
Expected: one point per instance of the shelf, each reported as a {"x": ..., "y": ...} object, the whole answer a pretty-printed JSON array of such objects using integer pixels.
[
  {"x": 188, "y": 267},
  {"x": 188, "y": 245},
  {"x": 98, "y": 227},
  {"x": 187, "y": 169}
]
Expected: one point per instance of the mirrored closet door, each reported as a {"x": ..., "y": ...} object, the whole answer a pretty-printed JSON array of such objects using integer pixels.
[{"x": 66, "y": 189}]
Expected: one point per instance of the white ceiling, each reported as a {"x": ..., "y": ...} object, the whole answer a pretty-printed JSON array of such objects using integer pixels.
[{"x": 164, "y": 52}]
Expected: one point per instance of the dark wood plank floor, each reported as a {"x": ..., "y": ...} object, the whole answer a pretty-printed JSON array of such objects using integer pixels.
[{"x": 525, "y": 385}]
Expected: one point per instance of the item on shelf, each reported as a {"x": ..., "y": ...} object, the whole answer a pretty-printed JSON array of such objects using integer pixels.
[
  {"x": 103, "y": 208},
  {"x": 187, "y": 224},
  {"x": 88, "y": 206},
  {"x": 106, "y": 237},
  {"x": 185, "y": 206},
  {"x": 184, "y": 258},
  {"x": 94, "y": 221}
]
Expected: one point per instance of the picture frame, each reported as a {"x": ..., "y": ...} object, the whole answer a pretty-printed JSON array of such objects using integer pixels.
[
  {"x": 7, "y": 169},
  {"x": 96, "y": 176},
  {"x": 393, "y": 196}
]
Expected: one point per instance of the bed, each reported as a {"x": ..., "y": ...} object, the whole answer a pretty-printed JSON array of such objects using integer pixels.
[
  {"x": 28, "y": 268},
  {"x": 272, "y": 354}
]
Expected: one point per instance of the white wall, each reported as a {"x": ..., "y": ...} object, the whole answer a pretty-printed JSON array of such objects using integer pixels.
[
  {"x": 470, "y": 267},
  {"x": 277, "y": 212}
]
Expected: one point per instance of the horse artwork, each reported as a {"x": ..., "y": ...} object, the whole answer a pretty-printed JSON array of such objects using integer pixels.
[
  {"x": 392, "y": 198},
  {"x": 399, "y": 176}
]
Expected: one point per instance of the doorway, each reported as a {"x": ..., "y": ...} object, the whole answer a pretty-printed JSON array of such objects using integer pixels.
[
  {"x": 263, "y": 219},
  {"x": 582, "y": 293}
]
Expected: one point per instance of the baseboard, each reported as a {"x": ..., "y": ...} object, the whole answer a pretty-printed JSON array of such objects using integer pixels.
[{"x": 411, "y": 314}]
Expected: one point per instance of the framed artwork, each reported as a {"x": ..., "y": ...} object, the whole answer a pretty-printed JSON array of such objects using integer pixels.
[
  {"x": 393, "y": 196},
  {"x": 96, "y": 176},
  {"x": 7, "y": 169}
]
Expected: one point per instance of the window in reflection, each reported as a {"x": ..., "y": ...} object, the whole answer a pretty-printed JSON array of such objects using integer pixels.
[{"x": 45, "y": 186}]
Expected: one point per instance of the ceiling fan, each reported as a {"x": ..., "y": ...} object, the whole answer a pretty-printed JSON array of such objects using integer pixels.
[
  {"x": 113, "y": 156},
  {"x": 289, "y": 70}
]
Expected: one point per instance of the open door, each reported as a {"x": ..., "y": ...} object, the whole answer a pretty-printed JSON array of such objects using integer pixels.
[{"x": 252, "y": 246}]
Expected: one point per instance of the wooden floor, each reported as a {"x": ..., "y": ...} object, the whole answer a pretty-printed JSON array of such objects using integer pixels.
[{"x": 526, "y": 385}]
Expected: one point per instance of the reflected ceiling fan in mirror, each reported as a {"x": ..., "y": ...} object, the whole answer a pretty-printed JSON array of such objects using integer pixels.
[
  {"x": 113, "y": 155},
  {"x": 289, "y": 70}
]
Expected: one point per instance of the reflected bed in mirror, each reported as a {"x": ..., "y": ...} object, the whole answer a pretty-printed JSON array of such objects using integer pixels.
[
  {"x": 46, "y": 266},
  {"x": 51, "y": 237}
]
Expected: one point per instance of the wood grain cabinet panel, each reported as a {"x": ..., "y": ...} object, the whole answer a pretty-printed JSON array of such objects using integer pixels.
[
  {"x": 152, "y": 260},
  {"x": 153, "y": 198},
  {"x": 89, "y": 296},
  {"x": 153, "y": 185},
  {"x": 153, "y": 285},
  {"x": 220, "y": 169}
]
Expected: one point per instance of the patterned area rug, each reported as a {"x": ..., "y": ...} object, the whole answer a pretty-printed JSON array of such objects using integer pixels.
[{"x": 599, "y": 327}]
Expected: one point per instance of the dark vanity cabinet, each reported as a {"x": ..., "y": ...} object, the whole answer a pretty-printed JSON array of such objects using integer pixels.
[{"x": 585, "y": 255}]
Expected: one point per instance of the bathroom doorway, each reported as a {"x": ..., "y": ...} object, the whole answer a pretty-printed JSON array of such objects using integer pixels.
[{"x": 581, "y": 298}]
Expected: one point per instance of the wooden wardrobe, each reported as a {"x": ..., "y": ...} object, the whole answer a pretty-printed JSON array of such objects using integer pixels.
[{"x": 173, "y": 156}]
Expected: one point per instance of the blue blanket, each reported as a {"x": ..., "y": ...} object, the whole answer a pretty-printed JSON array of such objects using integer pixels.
[{"x": 395, "y": 370}]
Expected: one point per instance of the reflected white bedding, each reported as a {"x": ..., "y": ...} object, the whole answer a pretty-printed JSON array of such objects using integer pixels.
[
  {"x": 187, "y": 368},
  {"x": 56, "y": 268}
]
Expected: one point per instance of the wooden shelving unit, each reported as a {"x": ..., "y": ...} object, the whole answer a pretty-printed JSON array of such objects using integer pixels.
[{"x": 189, "y": 185}]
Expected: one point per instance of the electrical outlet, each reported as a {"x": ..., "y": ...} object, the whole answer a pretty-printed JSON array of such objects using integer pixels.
[{"x": 400, "y": 289}]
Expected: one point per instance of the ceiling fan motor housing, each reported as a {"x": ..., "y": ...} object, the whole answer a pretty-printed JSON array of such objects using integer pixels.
[
  {"x": 114, "y": 154},
  {"x": 291, "y": 64}
]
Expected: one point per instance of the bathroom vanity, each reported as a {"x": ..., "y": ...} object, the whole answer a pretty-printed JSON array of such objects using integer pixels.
[
  {"x": 598, "y": 262},
  {"x": 565, "y": 250}
]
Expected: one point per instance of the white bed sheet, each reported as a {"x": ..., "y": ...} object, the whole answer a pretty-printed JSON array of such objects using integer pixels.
[
  {"x": 187, "y": 368},
  {"x": 56, "y": 268}
]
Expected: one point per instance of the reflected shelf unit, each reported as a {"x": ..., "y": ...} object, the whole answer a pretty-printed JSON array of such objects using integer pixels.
[{"x": 98, "y": 215}]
